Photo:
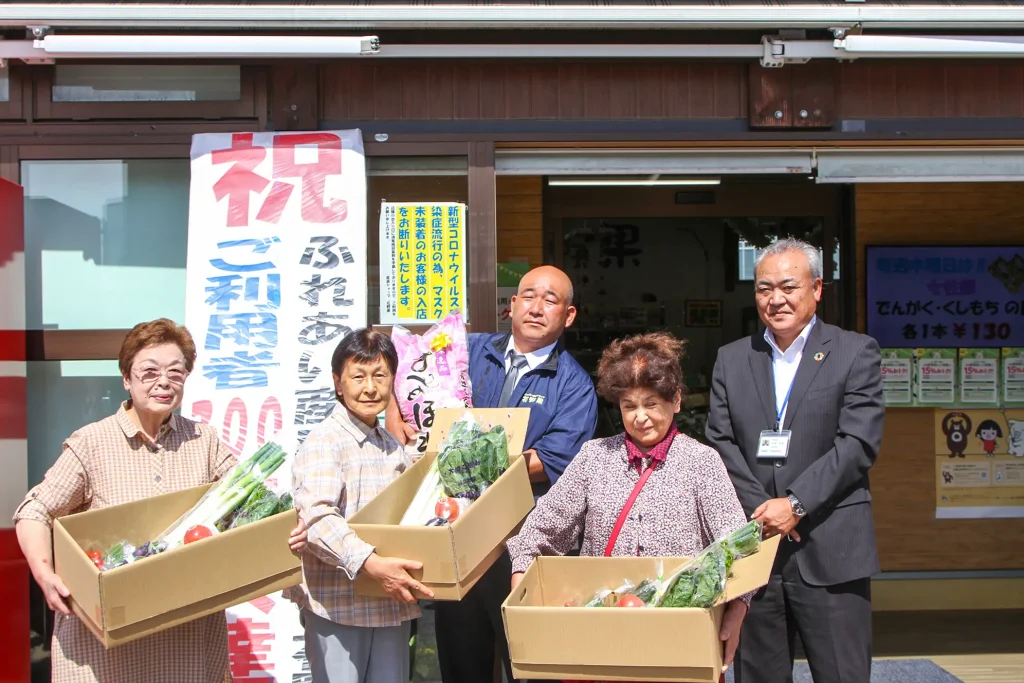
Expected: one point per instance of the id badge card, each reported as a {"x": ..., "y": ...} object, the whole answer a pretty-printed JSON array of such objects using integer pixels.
[{"x": 774, "y": 445}]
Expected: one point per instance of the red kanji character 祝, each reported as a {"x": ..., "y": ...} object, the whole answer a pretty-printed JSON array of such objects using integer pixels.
[
  {"x": 313, "y": 177},
  {"x": 241, "y": 179}
]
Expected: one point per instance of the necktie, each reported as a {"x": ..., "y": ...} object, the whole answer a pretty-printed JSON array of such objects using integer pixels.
[{"x": 515, "y": 367}]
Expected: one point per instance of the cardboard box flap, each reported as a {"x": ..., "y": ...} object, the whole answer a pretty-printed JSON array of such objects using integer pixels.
[
  {"x": 502, "y": 506},
  {"x": 599, "y": 637},
  {"x": 249, "y": 555},
  {"x": 750, "y": 573},
  {"x": 514, "y": 420}
]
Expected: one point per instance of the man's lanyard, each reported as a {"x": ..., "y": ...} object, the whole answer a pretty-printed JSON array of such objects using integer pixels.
[{"x": 785, "y": 402}]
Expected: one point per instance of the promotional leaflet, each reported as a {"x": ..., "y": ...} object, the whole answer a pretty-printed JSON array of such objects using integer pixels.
[
  {"x": 936, "y": 376},
  {"x": 979, "y": 376},
  {"x": 898, "y": 376},
  {"x": 1013, "y": 375}
]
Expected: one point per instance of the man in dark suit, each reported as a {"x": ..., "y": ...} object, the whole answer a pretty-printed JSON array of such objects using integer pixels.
[{"x": 797, "y": 415}]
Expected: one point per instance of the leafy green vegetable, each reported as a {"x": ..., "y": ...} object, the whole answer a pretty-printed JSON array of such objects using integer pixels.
[
  {"x": 701, "y": 582},
  {"x": 471, "y": 459}
]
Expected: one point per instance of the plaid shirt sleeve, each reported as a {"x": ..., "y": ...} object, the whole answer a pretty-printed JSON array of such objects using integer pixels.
[
  {"x": 64, "y": 489},
  {"x": 222, "y": 460},
  {"x": 319, "y": 489}
]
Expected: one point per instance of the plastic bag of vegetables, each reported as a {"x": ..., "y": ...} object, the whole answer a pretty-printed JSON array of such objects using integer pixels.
[
  {"x": 471, "y": 459},
  {"x": 701, "y": 581},
  {"x": 260, "y": 504}
]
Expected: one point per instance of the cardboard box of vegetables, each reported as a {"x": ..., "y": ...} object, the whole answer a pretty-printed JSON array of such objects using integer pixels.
[
  {"x": 586, "y": 618},
  {"x": 454, "y": 509},
  {"x": 146, "y": 566}
]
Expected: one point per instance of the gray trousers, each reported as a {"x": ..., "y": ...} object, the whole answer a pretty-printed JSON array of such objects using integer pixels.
[
  {"x": 834, "y": 623},
  {"x": 356, "y": 654}
]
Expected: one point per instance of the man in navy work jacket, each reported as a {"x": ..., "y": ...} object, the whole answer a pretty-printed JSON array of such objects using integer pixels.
[{"x": 528, "y": 368}]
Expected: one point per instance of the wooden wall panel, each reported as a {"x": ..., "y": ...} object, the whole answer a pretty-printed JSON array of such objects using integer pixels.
[
  {"x": 931, "y": 89},
  {"x": 596, "y": 90},
  {"x": 520, "y": 219},
  {"x": 903, "y": 480},
  {"x": 447, "y": 90}
]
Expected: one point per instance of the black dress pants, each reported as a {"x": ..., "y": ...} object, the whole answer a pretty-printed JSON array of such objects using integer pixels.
[
  {"x": 834, "y": 623},
  {"x": 469, "y": 630}
]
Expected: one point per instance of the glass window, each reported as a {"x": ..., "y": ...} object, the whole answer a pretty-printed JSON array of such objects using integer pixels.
[
  {"x": 64, "y": 396},
  {"x": 105, "y": 242},
  {"x": 753, "y": 231},
  {"x": 125, "y": 83},
  {"x": 5, "y": 86},
  {"x": 405, "y": 188}
]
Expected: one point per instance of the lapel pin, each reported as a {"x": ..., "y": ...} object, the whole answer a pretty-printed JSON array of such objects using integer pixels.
[{"x": 818, "y": 357}]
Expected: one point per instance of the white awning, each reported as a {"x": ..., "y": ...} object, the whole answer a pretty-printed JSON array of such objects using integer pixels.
[
  {"x": 638, "y": 162},
  {"x": 912, "y": 166},
  {"x": 367, "y": 14}
]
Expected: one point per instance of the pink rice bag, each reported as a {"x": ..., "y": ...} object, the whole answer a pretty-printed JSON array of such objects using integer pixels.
[{"x": 433, "y": 372}]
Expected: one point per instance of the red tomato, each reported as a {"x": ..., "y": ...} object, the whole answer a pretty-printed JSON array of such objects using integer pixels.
[
  {"x": 446, "y": 508},
  {"x": 629, "y": 601},
  {"x": 196, "y": 533},
  {"x": 96, "y": 556}
]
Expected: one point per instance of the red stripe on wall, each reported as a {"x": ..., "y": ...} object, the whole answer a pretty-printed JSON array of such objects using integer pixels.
[
  {"x": 13, "y": 408},
  {"x": 12, "y": 345},
  {"x": 12, "y": 220},
  {"x": 14, "y": 617}
]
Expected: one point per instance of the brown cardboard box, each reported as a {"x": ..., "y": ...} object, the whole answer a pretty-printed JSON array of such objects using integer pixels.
[
  {"x": 548, "y": 641},
  {"x": 454, "y": 556},
  {"x": 159, "y": 592}
]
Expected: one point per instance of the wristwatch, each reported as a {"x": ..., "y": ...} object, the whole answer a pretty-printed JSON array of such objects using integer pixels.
[{"x": 798, "y": 509}]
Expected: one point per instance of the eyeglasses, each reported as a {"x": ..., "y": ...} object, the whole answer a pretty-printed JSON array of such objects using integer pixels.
[{"x": 151, "y": 375}]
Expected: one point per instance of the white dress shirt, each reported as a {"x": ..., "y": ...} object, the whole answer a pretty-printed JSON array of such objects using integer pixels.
[
  {"x": 785, "y": 364},
  {"x": 533, "y": 358}
]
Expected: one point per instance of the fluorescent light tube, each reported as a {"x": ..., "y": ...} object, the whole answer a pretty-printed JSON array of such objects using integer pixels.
[
  {"x": 209, "y": 46},
  {"x": 639, "y": 181},
  {"x": 933, "y": 45}
]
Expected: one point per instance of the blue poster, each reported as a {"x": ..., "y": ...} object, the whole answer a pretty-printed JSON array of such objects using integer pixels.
[{"x": 945, "y": 296}]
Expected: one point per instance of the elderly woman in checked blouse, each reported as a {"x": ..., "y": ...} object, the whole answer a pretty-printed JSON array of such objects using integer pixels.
[
  {"x": 143, "y": 450},
  {"x": 687, "y": 502}
]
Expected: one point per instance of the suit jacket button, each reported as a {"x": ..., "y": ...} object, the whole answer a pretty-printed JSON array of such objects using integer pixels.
[{"x": 778, "y": 463}]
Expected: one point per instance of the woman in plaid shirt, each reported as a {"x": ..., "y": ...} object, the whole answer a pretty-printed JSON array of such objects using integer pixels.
[
  {"x": 143, "y": 450},
  {"x": 344, "y": 462}
]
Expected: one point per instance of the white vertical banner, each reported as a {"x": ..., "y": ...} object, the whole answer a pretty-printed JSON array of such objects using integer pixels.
[{"x": 276, "y": 278}]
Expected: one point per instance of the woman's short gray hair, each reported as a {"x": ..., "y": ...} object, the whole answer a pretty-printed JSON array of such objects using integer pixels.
[{"x": 792, "y": 244}]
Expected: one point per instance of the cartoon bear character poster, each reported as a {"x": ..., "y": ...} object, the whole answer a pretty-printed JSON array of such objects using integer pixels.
[
  {"x": 956, "y": 427},
  {"x": 979, "y": 463}
]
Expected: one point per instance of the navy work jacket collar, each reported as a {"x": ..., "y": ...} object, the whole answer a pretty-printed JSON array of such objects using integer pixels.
[{"x": 496, "y": 350}]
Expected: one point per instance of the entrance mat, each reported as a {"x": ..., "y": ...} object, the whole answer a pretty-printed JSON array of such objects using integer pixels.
[{"x": 885, "y": 671}]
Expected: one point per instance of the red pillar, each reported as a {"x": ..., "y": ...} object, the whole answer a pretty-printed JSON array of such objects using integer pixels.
[{"x": 14, "y": 574}]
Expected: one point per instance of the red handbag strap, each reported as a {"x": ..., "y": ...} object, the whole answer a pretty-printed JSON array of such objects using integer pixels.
[{"x": 627, "y": 507}]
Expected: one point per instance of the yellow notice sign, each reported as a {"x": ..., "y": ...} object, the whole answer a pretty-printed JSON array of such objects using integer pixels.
[{"x": 422, "y": 262}]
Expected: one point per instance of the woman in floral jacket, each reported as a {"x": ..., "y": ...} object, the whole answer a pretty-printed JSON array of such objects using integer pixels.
[{"x": 687, "y": 503}]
